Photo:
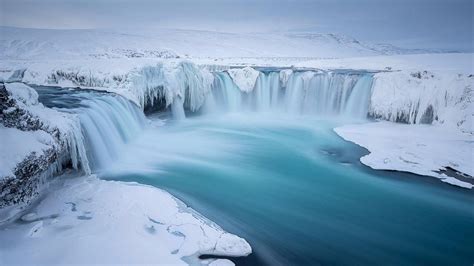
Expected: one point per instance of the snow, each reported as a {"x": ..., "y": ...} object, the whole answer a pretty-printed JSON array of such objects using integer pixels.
[
  {"x": 452, "y": 63},
  {"x": 91, "y": 221},
  {"x": 23, "y": 93},
  {"x": 16, "y": 145},
  {"x": 244, "y": 78},
  {"x": 30, "y": 44},
  {"x": 182, "y": 82},
  {"x": 51, "y": 120},
  {"x": 419, "y": 149},
  {"x": 285, "y": 75},
  {"x": 424, "y": 97}
]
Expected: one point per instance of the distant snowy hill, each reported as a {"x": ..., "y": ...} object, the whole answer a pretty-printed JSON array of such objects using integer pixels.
[{"x": 19, "y": 43}]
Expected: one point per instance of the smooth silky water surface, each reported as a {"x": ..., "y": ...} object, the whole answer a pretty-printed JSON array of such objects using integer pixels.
[{"x": 298, "y": 193}]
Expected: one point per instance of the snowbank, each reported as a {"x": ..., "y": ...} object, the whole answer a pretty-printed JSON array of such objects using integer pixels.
[
  {"x": 90, "y": 221},
  {"x": 16, "y": 145},
  {"x": 420, "y": 149}
]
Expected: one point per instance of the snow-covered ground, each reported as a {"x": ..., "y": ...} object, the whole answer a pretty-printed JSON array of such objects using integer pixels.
[
  {"x": 420, "y": 149},
  {"x": 16, "y": 145},
  {"x": 19, "y": 43},
  {"x": 91, "y": 221}
]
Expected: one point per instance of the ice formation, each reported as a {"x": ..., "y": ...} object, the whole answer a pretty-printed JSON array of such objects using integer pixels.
[
  {"x": 244, "y": 78},
  {"x": 420, "y": 149},
  {"x": 165, "y": 83},
  {"x": 424, "y": 98}
]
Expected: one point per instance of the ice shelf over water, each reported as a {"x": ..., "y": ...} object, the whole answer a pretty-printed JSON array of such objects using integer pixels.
[{"x": 420, "y": 149}]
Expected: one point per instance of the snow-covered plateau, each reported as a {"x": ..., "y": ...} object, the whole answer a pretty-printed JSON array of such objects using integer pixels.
[{"x": 422, "y": 105}]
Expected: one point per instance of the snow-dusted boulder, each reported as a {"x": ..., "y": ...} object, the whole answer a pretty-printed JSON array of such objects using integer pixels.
[{"x": 244, "y": 78}]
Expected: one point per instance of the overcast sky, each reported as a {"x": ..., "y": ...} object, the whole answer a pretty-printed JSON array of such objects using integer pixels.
[{"x": 445, "y": 24}]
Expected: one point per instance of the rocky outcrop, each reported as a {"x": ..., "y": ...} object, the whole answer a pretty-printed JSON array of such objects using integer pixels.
[
  {"x": 21, "y": 110},
  {"x": 29, "y": 176}
]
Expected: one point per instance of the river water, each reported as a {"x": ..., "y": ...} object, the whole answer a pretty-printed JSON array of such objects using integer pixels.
[{"x": 298, "y": 193}]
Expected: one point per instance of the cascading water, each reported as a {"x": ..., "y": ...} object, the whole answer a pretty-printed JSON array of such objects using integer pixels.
[
  {"x": 105, "y": 123},
  {"x": 108, "y": 122},
  {"x": 308, "y": 93},
  {"x": 186, "y": 87},
  {"x": 226, "y": 94}
]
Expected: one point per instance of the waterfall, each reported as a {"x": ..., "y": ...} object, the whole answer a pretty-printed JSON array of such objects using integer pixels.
[
  {"x": 358, "y": 102},
  {"x": 108, "y": 122},
  {"x": 307, "y": 93},
  {"x": 186, "y": 87},
  {"x": 226, "y": 94},
  {"x": 266, "y": 91}
]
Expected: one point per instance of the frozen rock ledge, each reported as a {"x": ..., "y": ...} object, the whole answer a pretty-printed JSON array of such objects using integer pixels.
[
  {"x": 88, "y": 220},
  {"x": 245, "y": 78},
  {"x": 420, "y": 149}
]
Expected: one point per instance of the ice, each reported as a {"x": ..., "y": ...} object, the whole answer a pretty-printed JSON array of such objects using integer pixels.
[
  {"x": 23, "y": 93},
  {"x": 244, "y": 78},
  {"x": 285, "y": 75},
  {"x": 419, "y": 149},
  {"x": 168, "y": 82},
  {"x": 16, "y": 145},
  {"x": 424, "y": 97}
]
